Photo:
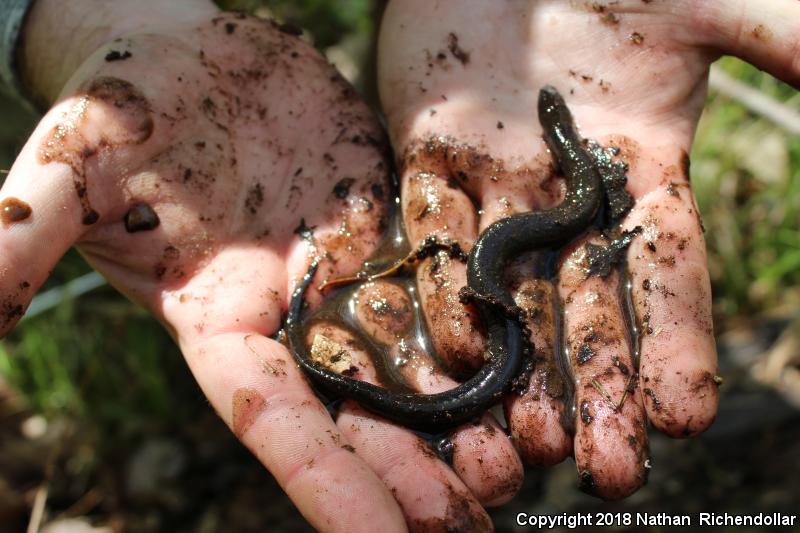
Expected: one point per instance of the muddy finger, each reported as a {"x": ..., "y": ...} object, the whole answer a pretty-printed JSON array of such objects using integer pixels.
[
  {"x": 610, "y": 425},
  {"x": 671, "y": 293},
  {"x": 406, "y": 464},
  {"x": 481, "y": 453},
  {"x": 535, "y": 411}
]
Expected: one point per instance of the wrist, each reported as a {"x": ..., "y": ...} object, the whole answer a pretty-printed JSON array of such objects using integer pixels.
[{"x": 58, "y": 36}]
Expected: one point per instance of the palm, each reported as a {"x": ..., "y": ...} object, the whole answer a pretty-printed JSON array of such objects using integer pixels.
[
  {"x": 242, "y": 152},
  {"x": 468, "y": 78},
  {"x": 236, "y": 135}
]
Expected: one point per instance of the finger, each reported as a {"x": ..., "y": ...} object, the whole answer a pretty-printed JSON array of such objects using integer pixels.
[
  {"x": 41, "y": 212},
  {"x": 430, "y": 493},
  {"x": 482, "y": 455},
  {"x": 766, "y": 34},
  {"x": 434, "y": 205},
  {"x": 671, "y": 293},
  {"x": 403, "y": 461},
  {"x": 610, "y": 423},
  {"x": 259, "y": 392},
  {"x": 535, "y": 414}
]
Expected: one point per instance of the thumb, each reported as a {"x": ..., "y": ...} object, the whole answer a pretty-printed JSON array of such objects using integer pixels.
[
  {"x": 44, "y": 209},
  {"x": 766, "y": 34}
]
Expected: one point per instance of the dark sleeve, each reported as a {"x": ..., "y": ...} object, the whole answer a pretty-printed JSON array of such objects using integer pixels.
[{"x": 12, "y": 15}]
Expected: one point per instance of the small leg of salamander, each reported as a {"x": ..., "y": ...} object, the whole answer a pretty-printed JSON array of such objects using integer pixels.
[
  {"x": 427, "y": 248},
  {"x": 496, "y": 245}
]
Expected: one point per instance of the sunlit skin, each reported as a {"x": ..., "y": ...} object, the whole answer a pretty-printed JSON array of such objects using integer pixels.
[{"x": 238, "y": 147}]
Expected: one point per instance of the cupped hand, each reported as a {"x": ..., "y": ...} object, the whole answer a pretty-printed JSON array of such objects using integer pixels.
[
  {"x": 199, "y": 161},
  {"x": 459, "y": 82}
]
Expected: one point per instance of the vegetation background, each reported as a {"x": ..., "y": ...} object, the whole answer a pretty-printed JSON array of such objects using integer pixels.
[{"x": 103, "y": 429}]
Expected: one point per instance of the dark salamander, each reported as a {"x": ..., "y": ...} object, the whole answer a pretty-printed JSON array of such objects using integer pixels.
[{"x": 499, "y": 243}]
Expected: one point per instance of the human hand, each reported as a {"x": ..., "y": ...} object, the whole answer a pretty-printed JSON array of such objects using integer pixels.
[
  {"x": 459, "y": 82},
  {"x": 184, "y": 149}
]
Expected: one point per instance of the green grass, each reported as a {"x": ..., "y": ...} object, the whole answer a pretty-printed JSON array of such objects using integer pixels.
[
  {"x": 98, "y": 359},
  {"x": 746, "y": 174},
  {"x": 331, "y": 22}
]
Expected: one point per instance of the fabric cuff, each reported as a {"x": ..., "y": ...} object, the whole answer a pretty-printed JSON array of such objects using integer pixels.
[{"x": 12, "y": 16}]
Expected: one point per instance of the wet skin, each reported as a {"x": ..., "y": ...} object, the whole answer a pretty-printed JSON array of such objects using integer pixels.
[{"x": 498, "y": 244}]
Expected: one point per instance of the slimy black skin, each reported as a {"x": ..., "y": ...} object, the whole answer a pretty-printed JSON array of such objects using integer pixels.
[
  {"x": 510, "y": 236},
  {"x": 499, "y": 243}
]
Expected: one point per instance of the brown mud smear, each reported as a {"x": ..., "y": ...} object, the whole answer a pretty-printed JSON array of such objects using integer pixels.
[
  {"x": 13, "y": 210},
  {"x": 247, "y": 405},
  {"x": 121, "y": 115},
  {"x": 141, "y": 217}
]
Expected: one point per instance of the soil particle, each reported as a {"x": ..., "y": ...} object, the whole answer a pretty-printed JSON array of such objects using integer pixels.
[
  {"x": 456, "y": 50},
  {"x": 377, "y": 191},
  {"x": 254, "y": 199},
  {"x": 614, "y": 173},
  {"x": 115, "y": 55},
  {"x": 586, "y": 415},
  {"x": 585, "y": 353},
  {"x": 11, "y": 310},
  {"x": 141, "y": 217},
  {"x": 586, "y": 481},
  {"x": 459, "y": 515},
  {"x": 656, "y": 402},
  {"x": 171, "y": 253},
  {"x": 686, "y": 165},
  {"x": 342, "y": 188},
  {"x": 305, "y": 232},
  {"x": 332, "y": 355},
  {"x": 602, "y": 259},
  {"x": 13, "y": 210},
  {"x": 611, "y": 19},
  {"x": 622, "y": 366},
  {"x": 672, "y": 189}
]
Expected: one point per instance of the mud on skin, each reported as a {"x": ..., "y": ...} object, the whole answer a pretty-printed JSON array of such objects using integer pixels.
[
  {"x": 13, "y": 210},
  {"x": 126, "y": 107},
  {"x": 141, "y": 217},
  {"x": 191, "y": 163}
]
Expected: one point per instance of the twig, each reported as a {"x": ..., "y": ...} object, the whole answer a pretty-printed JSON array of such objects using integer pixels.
[
  {"x": 39, "y": 502},
  {"x": 628, "y": 389},
  {"x": 85, "y": 503},
  {"x": 599, "y": 388},
  {"x": 756, "y": 101},
  {"x": 72, "y": 289}
]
